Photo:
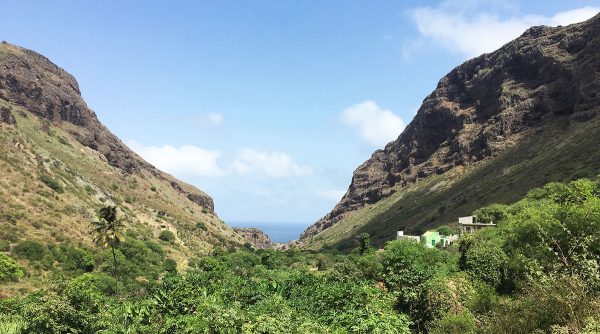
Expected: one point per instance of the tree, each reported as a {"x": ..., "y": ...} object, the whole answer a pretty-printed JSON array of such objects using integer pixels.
[
  {"x": 9, "y": 269},
  {"x": 445, "y": 230},
  {"x": 364, "y": 241},
  {"x": 107, "y": 232}
]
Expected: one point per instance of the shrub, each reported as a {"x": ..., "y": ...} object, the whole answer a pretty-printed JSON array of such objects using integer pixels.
[
  {"x": 77, "y": 259},
  {"x": 445, "y": 230},
  {"x": 63, "y": 141},
  {"x": 459, "y": 323},
  {"x": 9, "y": 268},
  {"x": 166, "y": 235},
  {"x": 201, "y": 226},
  {"x": 170, "y": 266},
  {"x": 407, "y": 267},
  {"x": 4, "y": 246},
  {"x": 30, "y": 250},
  {"x": 11, "y": 324},
  {"x": 52, "y": 183},
  {"x": 89, "y": 190}
]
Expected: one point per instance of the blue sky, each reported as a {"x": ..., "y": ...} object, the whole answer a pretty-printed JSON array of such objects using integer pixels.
[{"x": 268, "y": 106}]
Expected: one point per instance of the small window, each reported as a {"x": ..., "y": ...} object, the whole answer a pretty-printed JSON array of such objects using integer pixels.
[{"x": 432, "y": 242}]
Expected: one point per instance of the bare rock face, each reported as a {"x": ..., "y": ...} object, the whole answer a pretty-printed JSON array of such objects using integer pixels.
[
  {"x": 32, "y": 81},
  {"x": 481, "y": 108},
  {"x": 7, "y": 117},
  {"x": 255, "y": 237}
]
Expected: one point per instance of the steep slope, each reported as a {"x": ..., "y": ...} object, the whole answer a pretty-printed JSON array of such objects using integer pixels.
[
  {"x": 59, "y": 164},
  {"x": 470, "y": 142}
]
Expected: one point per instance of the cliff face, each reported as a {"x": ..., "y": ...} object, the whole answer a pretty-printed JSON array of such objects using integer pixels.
[
  {"x": 255, "y": 237},
  {"x": 482, "y": 108},
  {"x": 33, "y": 82},
  {"x": 59, "y": 164}
]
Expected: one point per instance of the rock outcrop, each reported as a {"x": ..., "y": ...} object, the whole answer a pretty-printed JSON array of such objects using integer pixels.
[
  {"x": 483, "y": 107},
  {"x": 32, "y": 81},
  {"x": 255, "y": 237}
]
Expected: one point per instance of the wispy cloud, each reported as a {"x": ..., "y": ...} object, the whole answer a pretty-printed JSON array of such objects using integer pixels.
[
  {"x": 375, "y": 125},
  {"x": 470, "y": 32},
  {"x": 273, "y": 164},
  {"x": 210, "y": 119},
  {"x": 186, "y": 160},
  {"x": 193, "y": 161}
]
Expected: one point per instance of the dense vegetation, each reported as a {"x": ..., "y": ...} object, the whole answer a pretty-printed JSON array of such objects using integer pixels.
[{"x": 537, "y": 272}]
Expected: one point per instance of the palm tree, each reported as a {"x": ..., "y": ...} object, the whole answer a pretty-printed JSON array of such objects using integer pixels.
[{"x": 107, "y": 232}]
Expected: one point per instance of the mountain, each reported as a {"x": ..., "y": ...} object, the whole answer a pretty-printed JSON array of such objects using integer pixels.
[
  {"x": 255, "y": 237},
  {"x": 495, "y": 127},
  {"x": 59, "y": 164}
]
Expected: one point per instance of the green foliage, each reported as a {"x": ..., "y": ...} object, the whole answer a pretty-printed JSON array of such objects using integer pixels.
[
  {"x": 363, "y": 241},
  {"x": 30, "y": 250},
  {"x": 545, "y": 304},
  {"x": 74, "y": 258},
  {"x": 51, "y": 183},
  {"x": 170, "y": 266},
  {"x": 536, "y": 272},
  {"x": 484, "y": 260},
  {"x": 9, "y": 268},
  {"x": 407, "y": 268},
  {"x": 4, "y": 245},
  {"x": 445, "y": 230},
  {"x": 201, "y": 226},
  {"x": 491, "y": 214},
  {"x": 166, "y": 235},
  {"x": 89, "y": 190},
  {"x": 459, "y": 323},
  {"x": 11, "y": 324}
]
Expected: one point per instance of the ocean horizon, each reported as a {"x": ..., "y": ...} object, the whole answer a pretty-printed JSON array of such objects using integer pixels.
[{"x": 277, "y": 232}]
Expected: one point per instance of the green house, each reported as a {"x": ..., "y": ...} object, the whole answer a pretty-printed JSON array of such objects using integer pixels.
[{"x": 434, "y": 238}]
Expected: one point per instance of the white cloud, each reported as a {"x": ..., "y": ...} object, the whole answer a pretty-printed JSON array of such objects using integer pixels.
[
  {"x": 274, "y": 164},
  {"x": 187, "y": 160},
  {"x": 472, "y": 34},
  {"x": 375, "y": 125},
  {"x": 210, "y": 119},
  {"x": 331, "y": 194}
]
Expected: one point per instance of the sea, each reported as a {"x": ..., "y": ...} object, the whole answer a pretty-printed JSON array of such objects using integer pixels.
[{"x": 277, "y": 232}]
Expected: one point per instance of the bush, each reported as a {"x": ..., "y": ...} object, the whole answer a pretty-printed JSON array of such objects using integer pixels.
[
  {"x": 459, "y": 323},
  {"x": 170, "y": 266},
  {"x": 9, "y": 269},
  {"x": 89, "y": 190},
  {"x": 4, "y": 246},
  {"x": 201, "y": 226},
  {"x": 11, "y": 324},
  {"x": 407, "y": 267},
  {"x": 30, "y": 250},
  {"x": 52, "y": 183},
  {"x": 77, "y": 259},
  {"x": 166, "y": 235},
  {"x": 445, "y": 230}
]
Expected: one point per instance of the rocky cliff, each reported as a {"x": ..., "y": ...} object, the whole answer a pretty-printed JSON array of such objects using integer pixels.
[
  {"x": 482, "y": 108},
  {"x": 256, "y": 237},
  {"x": 59, "y": 164},
  {"x": 33, "y": 82}
]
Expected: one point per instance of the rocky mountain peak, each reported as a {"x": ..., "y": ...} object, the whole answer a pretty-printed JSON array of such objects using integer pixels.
[
  {"x": 483, "y": 107},
  {"x": 32, "y": 81}
]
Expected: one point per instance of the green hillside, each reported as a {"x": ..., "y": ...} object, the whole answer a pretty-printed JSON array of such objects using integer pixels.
[
  {"x": 559, "y": 150},
  {"x": 51, "y": 185}
]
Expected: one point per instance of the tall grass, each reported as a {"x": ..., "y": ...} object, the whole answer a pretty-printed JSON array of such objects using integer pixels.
[{"x": 11, "y": 324}]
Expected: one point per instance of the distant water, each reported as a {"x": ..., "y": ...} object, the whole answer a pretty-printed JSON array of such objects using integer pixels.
[{"x": 278, "y": 232}]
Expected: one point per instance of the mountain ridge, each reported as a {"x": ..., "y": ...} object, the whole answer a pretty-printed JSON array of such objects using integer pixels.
[
  {"x": 60, "y": 164},
  {"x": 481, "y": 109}
]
